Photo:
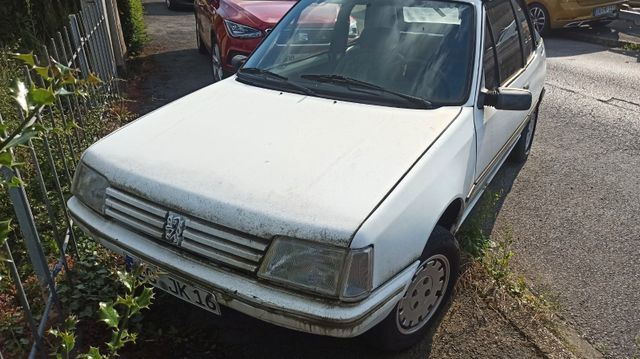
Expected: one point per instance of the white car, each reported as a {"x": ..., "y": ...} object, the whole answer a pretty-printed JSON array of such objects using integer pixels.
[{"x": 322, "y": 192}]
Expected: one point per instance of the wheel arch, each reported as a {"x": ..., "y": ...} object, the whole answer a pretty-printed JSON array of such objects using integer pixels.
[
  {"x": 429, "y": 194},
  {"x": 450, "y": 217}
]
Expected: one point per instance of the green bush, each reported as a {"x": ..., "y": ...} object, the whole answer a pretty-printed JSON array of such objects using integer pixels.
[
  {"x": 132, "y": 20},
  {"x": 29, "y": 23}
]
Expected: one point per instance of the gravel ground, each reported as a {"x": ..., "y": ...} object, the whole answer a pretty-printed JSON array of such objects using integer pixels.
[
  {"x": 574, "y": 208},
  {"x": 471, "y": 328}
]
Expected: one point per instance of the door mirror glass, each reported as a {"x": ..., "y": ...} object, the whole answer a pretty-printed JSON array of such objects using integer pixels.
[{"x": 507, "y": 99}]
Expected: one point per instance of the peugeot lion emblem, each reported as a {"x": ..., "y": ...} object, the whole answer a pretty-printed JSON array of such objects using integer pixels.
[{"x": 173, "y": 228}]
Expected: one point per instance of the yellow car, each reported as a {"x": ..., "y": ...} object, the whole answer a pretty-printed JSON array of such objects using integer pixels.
[{"x": 554, "y": 14}]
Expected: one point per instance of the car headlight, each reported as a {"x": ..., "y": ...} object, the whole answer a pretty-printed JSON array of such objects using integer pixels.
[
  {"x": 337, "y": 272},
  {"x": 89, "y": 187},
  {"x": 241, "y": 31}
]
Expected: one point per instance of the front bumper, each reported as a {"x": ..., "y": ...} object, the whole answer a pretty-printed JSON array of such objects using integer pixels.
[{"x": 249, "y": 295}]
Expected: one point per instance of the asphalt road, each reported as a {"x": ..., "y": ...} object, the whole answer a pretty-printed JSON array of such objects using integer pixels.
[{"x": 572, "y": 210}]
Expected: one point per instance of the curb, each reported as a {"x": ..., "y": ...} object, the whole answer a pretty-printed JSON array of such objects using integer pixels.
[{"x": 599, "y": 39}]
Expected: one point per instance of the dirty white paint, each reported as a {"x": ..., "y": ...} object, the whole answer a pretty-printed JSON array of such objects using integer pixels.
[
  {"x": 250, "y": 296},
  {"x": 269, "y": 163}
]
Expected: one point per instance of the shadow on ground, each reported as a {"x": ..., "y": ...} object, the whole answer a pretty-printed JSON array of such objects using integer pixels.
[{"x": 167, "y": 76}]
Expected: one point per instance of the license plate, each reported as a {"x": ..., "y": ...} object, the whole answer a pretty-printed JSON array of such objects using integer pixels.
[
  {"x": 189, "y": 293},
  {"x": 605, "y": 10}
]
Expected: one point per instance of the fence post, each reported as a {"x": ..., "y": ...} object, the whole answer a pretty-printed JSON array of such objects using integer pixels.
[
  {"x": 28, "y": 229},
  {"x": 117, "y": 38},
  {"x": 78, "y": 44},
  {"x": 22, "y": 297},
  {"x": 109, "y": 45}
]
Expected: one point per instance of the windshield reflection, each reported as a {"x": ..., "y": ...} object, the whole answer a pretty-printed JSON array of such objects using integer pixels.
[{"x": 421, "y": 49}]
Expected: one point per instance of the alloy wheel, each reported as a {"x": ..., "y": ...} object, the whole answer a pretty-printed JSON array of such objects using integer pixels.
[
  {"x": 197, "y": 34},
  {"x": 539, "y": 18},
  {"x": 424, "y": 295},
  {"x": 216, "y": 63}
]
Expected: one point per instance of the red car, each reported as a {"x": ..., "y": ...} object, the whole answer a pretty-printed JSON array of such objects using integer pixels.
[{"x": 227, "y": 28}]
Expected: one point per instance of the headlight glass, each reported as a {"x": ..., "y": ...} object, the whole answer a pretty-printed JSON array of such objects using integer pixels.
[
  {"x": 90, "y": 187},
  {"x": 241, "y": 31},
  {"x": 327, "y": 270}
]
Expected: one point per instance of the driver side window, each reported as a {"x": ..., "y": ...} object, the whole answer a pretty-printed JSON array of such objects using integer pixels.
[
  {"x": 491, "y": 73},
  {"x": 506, "y": 38}
]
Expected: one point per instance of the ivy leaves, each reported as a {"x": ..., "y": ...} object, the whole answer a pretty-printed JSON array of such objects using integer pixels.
[
  {"x": 5, "y": 230},
  {"x": 56, "y": 76},
  {"x": 59, "y": 80},
  {"x": 116, "y": 315}
]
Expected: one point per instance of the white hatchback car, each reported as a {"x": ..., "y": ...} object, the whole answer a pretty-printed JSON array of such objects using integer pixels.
[{"x": 319, "y": 189}]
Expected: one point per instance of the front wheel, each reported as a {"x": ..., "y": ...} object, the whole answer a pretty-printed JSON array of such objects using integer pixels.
[
  {"x": 540, "y": 18},
  {"x": 600, "y": 23},
  {"x": 521, "y": 151},
  {"x": 201, "y": 47},
  {"x": 422, "y": 304},
  {"x": 216, "y": 60}
]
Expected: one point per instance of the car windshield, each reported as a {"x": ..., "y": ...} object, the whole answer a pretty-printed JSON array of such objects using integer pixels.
[{"x": 404, "y": 53}]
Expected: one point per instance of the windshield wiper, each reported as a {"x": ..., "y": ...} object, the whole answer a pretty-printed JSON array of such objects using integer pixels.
[
  {"x": 281, "y": 79},
  {"x": 348, "y": 81}
]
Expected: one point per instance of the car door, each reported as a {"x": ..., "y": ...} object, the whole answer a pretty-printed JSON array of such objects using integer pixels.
[{"x": 509, "y": 61}]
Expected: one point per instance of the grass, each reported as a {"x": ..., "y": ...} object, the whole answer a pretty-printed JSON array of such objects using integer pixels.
[
  {"x": 632, "y": 47},
  {"x": 492, "y": 253}
]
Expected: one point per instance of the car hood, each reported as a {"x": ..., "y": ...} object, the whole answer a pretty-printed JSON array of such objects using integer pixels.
[
  {"x": 268, "y": 12},
  {"x": 269, "y": 163}
]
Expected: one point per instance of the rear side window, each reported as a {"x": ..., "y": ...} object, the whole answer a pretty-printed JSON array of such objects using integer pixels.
[
  {"x": 525, "y": 30},
  {"x": 506, "y": 36}
]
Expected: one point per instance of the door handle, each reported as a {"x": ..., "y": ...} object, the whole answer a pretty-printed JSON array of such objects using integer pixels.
[{"x": 526, "y": 86}]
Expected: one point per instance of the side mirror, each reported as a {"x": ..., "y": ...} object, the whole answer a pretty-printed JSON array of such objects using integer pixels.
[
  {"x": 237, "y": 61},
  {"x": 506, "y": 99}
]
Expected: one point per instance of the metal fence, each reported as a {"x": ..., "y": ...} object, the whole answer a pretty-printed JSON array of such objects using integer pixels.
[{"x": 38, "y": 205}]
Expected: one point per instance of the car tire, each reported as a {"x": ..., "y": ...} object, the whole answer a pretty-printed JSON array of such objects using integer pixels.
[
  {"x": 216, "y": 60},
  {"x": 441, "y": 257},
  {"x": 170, "y": 4},
  {"x": 201, "y": 46},
  {"x": 600, "y": 23},
  {"x": 540, "y": 18},
  {"x": 521, "y": 151}
]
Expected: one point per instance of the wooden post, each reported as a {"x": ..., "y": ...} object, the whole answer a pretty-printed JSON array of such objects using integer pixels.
[{"x": 115, "y": 30}]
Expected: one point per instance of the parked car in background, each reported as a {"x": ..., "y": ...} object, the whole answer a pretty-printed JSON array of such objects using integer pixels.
[
  {"x": 226, "y": 28},
  {"x": 320, "y": 188},
  {"x": 177, "y": 4},
  {"x": 554, "y": 14},
  {"x": 229, "y": 28}
]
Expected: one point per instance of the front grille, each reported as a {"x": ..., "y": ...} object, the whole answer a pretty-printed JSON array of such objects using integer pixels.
[{"x": 235, "y": 250}]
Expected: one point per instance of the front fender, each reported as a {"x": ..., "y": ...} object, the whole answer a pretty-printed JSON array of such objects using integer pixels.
[{"x": 400, "y": 226}]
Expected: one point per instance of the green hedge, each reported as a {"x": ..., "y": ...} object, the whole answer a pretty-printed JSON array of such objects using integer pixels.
[
  {"x": 28, "y": 23},
  {"x": 132, "y": 20}
]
